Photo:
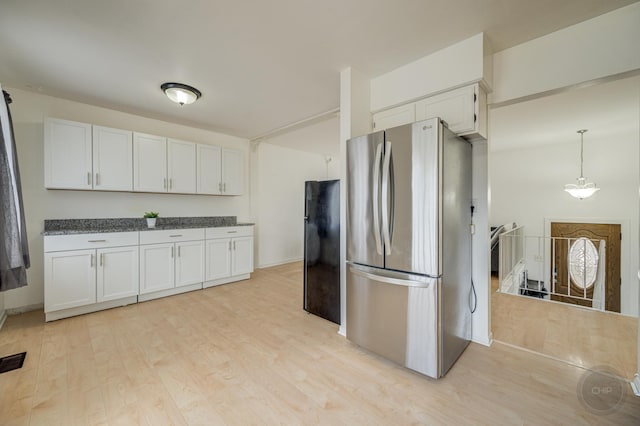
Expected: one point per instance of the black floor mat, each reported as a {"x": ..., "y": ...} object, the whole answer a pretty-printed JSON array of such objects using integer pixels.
[{"x": 12, "y": 362}]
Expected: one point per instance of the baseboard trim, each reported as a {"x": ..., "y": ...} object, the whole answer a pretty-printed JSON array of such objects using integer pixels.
[
  {"x": 280, "y": 262},
  {"x": 485, "y": 340},
  {"x": 635, "y": 384},
  {"x": 342, "y": 331},
  {"x": 25, "y": 309}
]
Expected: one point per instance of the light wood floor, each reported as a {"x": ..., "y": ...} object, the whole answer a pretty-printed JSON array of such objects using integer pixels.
[
  {"x": 581, "y": 336},
  {"x": 246, "y": 353}
]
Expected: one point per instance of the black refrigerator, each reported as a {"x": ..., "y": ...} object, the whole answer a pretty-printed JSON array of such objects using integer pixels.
[{"x": 322, "y": 249}]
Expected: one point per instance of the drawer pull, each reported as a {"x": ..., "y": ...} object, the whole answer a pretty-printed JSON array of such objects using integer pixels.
[
  {"x": 175, "y": 236},
  {"x": 232, "y": 232},
  {"x": 97, "y": 241}
]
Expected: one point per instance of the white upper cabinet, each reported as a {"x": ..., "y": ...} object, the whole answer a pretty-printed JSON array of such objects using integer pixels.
[
  {"x": 112, "y": 159},
  {"x": 149, "y": 163},
  {"x": 67, "y": 154},
  {"x": 209, "y": 169},
  {"x": 181, "y": 166},
  {"x": 232, "y": 172},
  {"x": 463, "y": 109},
  {"x": 456, "y": 107},
  {"x": 220, "y": 170},
  {"x": 82, "y": 156},
  {"x": 393, "y": 117}
]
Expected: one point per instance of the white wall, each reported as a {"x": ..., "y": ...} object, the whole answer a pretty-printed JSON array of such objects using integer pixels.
[
  {"x": 597, "y": 48},
  {"x": 527, "y": 187},
  {"x": 28, "y": 110},
  {"x": 481, "y": 318},
  {"x": 355, "y": 119},
  {"x": 459, "y": 64},
  {"x": 280, "y": 178}
]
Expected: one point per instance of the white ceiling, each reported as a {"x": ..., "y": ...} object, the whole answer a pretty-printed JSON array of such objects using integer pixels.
[{"x": 260, "y": 64}]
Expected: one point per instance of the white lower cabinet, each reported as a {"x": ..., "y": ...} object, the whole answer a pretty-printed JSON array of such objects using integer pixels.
[
  {"x": 89, "y": 272},
  {"x": 218, "y": 263},
  {"x": 242, "y": 256},
  {"x": 171, "y": 262},
  {"x": 71, "y": 279},
  {"x": 229, "y": 254},
  {"x": 117, "y": 273}
]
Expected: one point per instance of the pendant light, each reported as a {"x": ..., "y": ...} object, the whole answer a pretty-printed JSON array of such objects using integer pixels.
[
  {"x": 583, "y": 189},
  {"x": 181, "y": 93}
]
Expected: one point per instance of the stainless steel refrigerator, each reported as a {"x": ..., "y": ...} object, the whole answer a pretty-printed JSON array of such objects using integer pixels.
[
  {"x": 409, "y": 245},
  {"x": 322, "y": 249}
]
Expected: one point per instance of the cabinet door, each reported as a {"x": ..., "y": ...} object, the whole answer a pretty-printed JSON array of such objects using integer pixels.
[
  {"x": 393, "y": 117},
  {"x": 218, "y": 259},
  {"x": 242, "y": 256},
  {"x": 149, "y": 163},
  {"x": 232, "y": 172},
  {"x": 456, "y": 107},
  {"x": 189, "y": 263},
  {"x": 209, "y": 169},
  {"x": 117, "y": 273},
  {"x": 70, "y": 279},
  {"x": 112, "y": 159},
  {"x": 67, "y": 154},
  {"x": 156, "y": 267},
  {"x": 181, "y": 166}
]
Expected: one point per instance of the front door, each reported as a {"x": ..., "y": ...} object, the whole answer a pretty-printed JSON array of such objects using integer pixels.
[{"x": 611, "y": 234}]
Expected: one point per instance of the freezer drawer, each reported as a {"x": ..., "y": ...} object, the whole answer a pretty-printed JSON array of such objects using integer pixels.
[{"x": 395, "y": 316}]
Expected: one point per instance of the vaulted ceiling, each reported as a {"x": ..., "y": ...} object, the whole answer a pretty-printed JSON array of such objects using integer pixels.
[{"x": 260, "y": 64}]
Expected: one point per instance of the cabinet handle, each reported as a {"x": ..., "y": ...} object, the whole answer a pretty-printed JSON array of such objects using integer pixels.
[
  {"x": 229, "y": 245},
  {"x": 164, "y": 183},
  {"x": 176, "y": 235},
  {"x": 178, "y": 251},
  {"x": 234, "y": 246},
  {"x": 232, "y": 232},
  {"x": 224, "y": 187},
  {"x": 88, "y": 178},
  {"x": 91, "y": 261},
  {"x": 96, "y": 241},
  {"x": 101, "y": 259},
  {"x": 172, "y": 251},
  {"x": 219, "y": 186},
  {"x": 97, "y": 179},
  {"x": 170, "y": 183}
]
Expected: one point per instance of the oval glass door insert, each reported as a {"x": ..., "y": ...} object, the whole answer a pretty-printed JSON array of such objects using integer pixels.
[{"x": 583, "y": 262}]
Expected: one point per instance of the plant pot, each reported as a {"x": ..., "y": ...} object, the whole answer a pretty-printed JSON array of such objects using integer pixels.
[{"x": 151, "y": 222}]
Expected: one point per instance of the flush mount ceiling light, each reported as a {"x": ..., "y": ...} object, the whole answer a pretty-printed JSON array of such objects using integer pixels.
[
  {"x": 583, "y": 189},
  {"x": 181, "y": 93}
]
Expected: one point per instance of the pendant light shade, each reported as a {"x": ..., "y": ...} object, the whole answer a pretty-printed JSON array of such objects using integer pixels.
[
  {"x": 582, "y": 189},
  {"x": 181, "y": 93}
]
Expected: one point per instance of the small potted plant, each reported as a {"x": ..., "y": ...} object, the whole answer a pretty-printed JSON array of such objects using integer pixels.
[{"x": 151, "y": 219}]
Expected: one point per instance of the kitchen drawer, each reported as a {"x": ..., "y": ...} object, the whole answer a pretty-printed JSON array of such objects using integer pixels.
[
  {"x": 89, "y": 241},
  {"x": 171, "y": 235},
  {"x": 229, "y": 232}
]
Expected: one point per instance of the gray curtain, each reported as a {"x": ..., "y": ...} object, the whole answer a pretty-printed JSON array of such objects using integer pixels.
[{"x": 14, "y": 249}]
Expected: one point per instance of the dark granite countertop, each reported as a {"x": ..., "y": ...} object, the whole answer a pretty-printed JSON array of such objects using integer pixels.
[{"x": 90, "y": 226}]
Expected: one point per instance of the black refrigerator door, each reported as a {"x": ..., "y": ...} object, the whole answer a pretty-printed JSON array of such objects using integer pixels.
[{"x": 322, "y": 249}]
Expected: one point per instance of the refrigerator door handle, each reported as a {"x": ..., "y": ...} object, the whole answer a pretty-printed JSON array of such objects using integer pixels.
[
  {"x": 376, "y": 201},
  {"x": 385, "y": 197},
  {"x": 390, "y": 280}
]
